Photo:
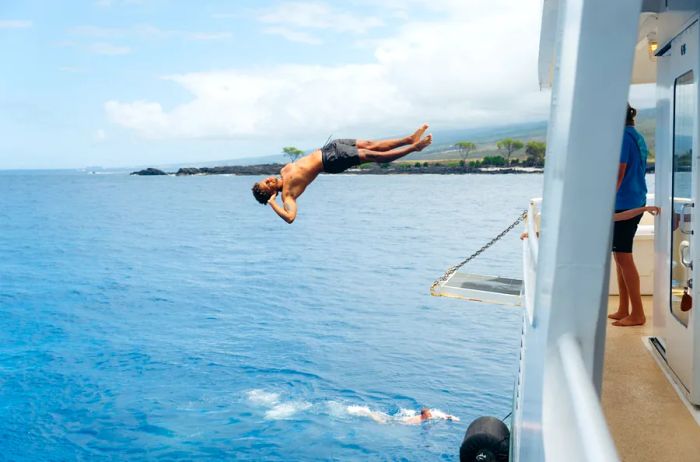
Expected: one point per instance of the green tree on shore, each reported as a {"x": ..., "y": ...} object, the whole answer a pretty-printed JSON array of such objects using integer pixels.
[
  {"x": 292, "y": 152},
  {"x": 465, "y": 148},
  {"x": 535, "y": 151},
  {"x": 509, "y": 146}
]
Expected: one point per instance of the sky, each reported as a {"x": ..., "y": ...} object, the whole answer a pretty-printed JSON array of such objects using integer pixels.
[{"x": 117, "y": 83}]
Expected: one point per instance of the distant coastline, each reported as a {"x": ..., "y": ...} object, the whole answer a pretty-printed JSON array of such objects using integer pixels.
[
  {"x": 373, "y": 169},
  {"x": 396, "y": 168}
]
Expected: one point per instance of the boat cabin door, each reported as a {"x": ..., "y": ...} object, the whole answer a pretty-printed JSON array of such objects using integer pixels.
[{"x": 679, "y": 324}]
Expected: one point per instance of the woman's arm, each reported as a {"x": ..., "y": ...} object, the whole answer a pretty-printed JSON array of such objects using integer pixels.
[{"x": 631, "y": 213}]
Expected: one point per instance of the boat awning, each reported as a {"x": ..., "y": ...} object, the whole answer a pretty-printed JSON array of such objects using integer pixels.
[
  {"x": 644, "y": 69},
  {"x": 478, "y": 288}
]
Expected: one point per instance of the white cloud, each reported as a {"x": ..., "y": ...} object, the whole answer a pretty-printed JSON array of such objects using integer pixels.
[
  {"x": 99, "y": 32},
  {"x": 472, "y": 69},
  {"x": 207, "y": 35},
  {"x": 293, "y": 35},
  {"x": 317, "y": 15},
  {"x": 109, "y": 49},
  {"x": 14, "y": 24},
  {"x": 144, "y": 31}
]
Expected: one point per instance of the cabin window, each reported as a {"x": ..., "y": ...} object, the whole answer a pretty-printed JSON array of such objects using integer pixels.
[{"x": 684, "y": 120}]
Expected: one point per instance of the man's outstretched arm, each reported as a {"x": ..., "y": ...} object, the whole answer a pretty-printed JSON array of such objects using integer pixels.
[{"x": 288, "y": 213}]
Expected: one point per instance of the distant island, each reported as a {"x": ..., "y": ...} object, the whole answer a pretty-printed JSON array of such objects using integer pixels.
[{"x": 396, "y": 168}]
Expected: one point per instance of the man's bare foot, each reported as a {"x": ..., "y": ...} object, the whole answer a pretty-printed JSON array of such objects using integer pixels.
[
  {"x": 619, "y": 314},
  {"x": 422, "y": 144},
  {"x": 630, "y": 321},
  {"x": 418, "y": 134}
]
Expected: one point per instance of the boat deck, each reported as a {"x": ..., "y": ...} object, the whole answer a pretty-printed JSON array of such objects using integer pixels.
[{"x": 647, "y": 419}]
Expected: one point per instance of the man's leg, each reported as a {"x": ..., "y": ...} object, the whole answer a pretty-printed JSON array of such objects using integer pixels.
[
  {"x": 387, "y": 145},
  {"x": 623, "y": 307},
  {"x": 631, "y": 276},
  {"x": 367, "y": 155}
]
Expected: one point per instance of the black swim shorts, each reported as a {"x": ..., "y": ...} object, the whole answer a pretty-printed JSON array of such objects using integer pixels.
[
  {"x": 339, "y": 155},
  {"x": 623, "y": 233}
]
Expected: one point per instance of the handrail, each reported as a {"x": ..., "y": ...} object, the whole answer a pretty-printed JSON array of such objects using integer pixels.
[
  {"x": 591, "y": 427},
  {"x": 533, "y": 236},
  {"x": 530, "y": 251}
]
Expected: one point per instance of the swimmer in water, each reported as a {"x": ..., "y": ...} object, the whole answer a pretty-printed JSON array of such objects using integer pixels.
[
  {"x": 425, "y": 415},
  {"x": 382, "y": 418}
]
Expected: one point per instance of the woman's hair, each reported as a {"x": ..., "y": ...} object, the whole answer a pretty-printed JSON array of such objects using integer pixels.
[
  {"x": 261, "y": 195},
  {"x": 631, "y": 114}
]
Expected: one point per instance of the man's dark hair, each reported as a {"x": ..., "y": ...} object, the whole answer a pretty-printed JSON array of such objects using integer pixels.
[{"x": 260, "y": 195}]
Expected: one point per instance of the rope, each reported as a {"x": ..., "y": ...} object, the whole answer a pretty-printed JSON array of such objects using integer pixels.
[
  {"x": 328, "y": 140},
  {"x": 450, "y": 271}
]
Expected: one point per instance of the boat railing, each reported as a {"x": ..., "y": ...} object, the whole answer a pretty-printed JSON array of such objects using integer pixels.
[
  {"x": 587, "y": 437},
  {"x": 530, "y": 253},
  {"x": 533, "y": 213}
]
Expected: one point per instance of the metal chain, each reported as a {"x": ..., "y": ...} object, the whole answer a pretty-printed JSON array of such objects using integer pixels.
[{"x": 453, "y": 269}]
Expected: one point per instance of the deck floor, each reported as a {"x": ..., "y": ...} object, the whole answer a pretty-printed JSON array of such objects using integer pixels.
[{"x": 647, "y": 419}]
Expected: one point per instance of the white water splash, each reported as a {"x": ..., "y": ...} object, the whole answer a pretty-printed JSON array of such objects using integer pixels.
[
  {"x": 262, "y": 397},
  {"x": 438, "y": 414},
  {"x": 286, "y": 410},
  {"x": 277, "y": 409},
  {"x": 403, "y": 416},
  {"x": 405, "y": 413}
]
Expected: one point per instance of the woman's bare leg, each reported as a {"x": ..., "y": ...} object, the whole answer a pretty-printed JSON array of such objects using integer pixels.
[
  {"x": 367, "y": 155},
  {"x": 623, "y": 307},
  {"x": 387, "y": 145},
  {"x": 631, "y": 277}
]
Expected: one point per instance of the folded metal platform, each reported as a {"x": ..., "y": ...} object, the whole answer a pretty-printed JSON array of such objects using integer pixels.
[{"x": 484, "y": 289}]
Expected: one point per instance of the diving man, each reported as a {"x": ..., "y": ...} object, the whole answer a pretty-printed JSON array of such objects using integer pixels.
[{"x": 335, "y": 157}]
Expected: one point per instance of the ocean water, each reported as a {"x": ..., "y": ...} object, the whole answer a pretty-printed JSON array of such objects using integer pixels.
[{"x": 174, "y": 318}]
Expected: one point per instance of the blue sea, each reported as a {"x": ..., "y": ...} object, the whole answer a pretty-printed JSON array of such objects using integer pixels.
[{"x": 175, "y": 318}]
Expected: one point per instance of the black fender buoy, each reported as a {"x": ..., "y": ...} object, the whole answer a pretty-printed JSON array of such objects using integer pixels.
[{"x": 487, "y": 440}]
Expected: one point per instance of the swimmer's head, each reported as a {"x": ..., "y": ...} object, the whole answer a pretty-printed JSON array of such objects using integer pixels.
[
  {"x": 425, "y": 414},
  {"x": 264, "y": 189}
]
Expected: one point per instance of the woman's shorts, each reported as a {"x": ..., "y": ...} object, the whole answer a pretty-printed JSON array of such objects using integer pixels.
[{"x": 623, "y": 233}]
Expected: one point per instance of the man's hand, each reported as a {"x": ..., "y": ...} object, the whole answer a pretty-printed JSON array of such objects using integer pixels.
[
  {"x": 272, "y": 198},
  {"x": 288, "y": 211}
]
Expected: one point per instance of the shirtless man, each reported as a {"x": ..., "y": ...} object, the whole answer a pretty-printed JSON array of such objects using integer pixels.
[{"x": 335, "y": 157}]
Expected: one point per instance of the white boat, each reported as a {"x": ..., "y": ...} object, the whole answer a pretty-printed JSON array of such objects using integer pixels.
[{"x": 587, "y": 391}]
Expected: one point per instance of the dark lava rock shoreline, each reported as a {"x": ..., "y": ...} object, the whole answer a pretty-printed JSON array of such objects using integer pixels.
[{"x": 392, "y": 169}]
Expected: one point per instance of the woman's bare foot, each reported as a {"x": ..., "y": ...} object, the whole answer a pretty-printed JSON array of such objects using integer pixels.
[
  {"x": 619, "y": 314},
  {"x": 417, "y": 135},
  {"x": 422, "y": 144},
  {"x": 630, "y": 321}
]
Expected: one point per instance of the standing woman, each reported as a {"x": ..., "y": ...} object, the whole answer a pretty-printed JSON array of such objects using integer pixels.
[{"x": 631, "y": 193}]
